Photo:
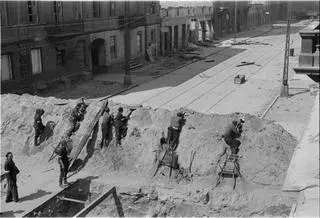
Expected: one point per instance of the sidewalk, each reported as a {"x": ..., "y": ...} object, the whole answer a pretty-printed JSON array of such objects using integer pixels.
[{"x": 303, "y": 172}]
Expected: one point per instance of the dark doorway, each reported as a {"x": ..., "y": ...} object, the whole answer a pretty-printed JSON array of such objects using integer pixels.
[
  {"x": 98, "y": 56},
  {"x": 166, "y": 42},
  {"x": 184, "y": 35},
  {"x": 176, "y": 37},
  {"x": 170, "y": 38}
]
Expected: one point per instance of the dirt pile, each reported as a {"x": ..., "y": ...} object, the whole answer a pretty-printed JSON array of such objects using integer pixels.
[
  {"x": 266, "y": 148},
  {"x": 266, "y": 151}
]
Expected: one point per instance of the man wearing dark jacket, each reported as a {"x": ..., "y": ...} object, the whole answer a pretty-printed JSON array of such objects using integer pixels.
[
  {"x": 77, "y": 115},
  {"x": 38, "y": 125},
  {"x": 12, "y": 171},
  {"x": 230, "y": 138},
  {"x": 63, "y": 161},
  {"x": 121, "y": 122},
  {"x": 106, "y": 128},
  {"x": 174, "y": 130}
]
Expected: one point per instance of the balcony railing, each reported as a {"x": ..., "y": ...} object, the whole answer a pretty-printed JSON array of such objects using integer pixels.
[{"x": 65, "y": 29}]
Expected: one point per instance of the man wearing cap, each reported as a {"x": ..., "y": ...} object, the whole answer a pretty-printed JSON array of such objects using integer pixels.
[
  {"x": 38, "y": 125},
  {"x": 77, "y": 115},
  {"x": 174, "y": 130},
  {"x": 230, "y": 138},
  {"x": 12, "y": 171},
  {"x": 64, "y": 163},
  {"x": 106, "y": 127},
  {"x": 121, "y": 124}
]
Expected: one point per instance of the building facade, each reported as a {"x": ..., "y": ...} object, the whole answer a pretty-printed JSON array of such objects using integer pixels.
[
  {"x": 46, "y": 41},
  {"x": 180, "y": 25}
]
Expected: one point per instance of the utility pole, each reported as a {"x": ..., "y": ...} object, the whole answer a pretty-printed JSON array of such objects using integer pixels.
[
  {"x": 235, "y": 16},
  {"x": 127, "y": 77},
  {"x": 285, "y": 87}
]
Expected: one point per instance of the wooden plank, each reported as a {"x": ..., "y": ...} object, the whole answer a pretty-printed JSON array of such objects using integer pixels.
[
  {"x": 93, "y": 204},
  {"x": 4, "y": 175},
  {"x": 46, "y": 203},
  {"x": 71, "y": 199},
  {"x": 86, "y": 136}
]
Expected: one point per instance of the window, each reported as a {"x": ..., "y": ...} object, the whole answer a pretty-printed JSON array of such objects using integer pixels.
[
  {"x": 177, "y": 11},
  {"x": 36, "y": 61},
  {"x": 32, "y": 11},
  {"x": 153, "y": 36},
  {"x": 6, "y": 68},
  {"x": 113, "y": 47},
  {"x": 202, "y": 10},
  {"x": 57, "y": 10},
  {"x": 112, "y": 8},
  {"x": 139, "y": 42},
  {"x": 77, "y": 10},
  {"x": 96, "y": 9},
  {"x": 188, "y": 11},
  {"x": 153, "y": 8},
  {"x": 61, "y": 54},
  {"x": 4, "y": 13}
]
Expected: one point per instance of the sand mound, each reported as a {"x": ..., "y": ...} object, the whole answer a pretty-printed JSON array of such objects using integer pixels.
[{"x": 266, "y": 148}]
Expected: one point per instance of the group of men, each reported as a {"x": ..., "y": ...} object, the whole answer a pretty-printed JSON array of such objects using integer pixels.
[
  {"x": 230, "y": 136},
  {"x": 120, "y": 122}
]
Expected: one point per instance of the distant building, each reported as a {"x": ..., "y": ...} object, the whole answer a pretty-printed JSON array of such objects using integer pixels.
[
  {"x": 49, "y": 41},
  {"x": 180, "y": 25}
]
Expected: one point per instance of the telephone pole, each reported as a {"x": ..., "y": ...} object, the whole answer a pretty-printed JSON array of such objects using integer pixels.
[
  {"x": 285, "y": 87},
  {"x": 127, "y": 77},
  {"x": 235, "y": 16}
]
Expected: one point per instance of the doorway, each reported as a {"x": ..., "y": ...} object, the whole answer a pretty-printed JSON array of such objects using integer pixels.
[{"x": 98, "y": 56}]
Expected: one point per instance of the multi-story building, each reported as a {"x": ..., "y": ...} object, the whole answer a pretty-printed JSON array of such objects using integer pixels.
[
  {"x": 230, "y": 17},
  {"x": 180, "y": 25},
  {"x": 257, "y": 14},
  {"x": 50, "y": 41}
]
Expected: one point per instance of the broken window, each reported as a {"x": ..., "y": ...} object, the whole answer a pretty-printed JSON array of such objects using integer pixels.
[
  {"x": 153, "y": 8},
  {"x": 96, "y": 9},
  {"x": 77, "y": 10},
  {"x": 6, "y": 67},
  {"x": 113, "y": 47},
  {"x": 4, "y": 13},
  {"x": 57, "y": 11},
  {"x": 112, "y": 8},
  {"x": 61, "y": 54},
  {"x": 32, "y": 11},
  {"x": 36, "y": 61}
]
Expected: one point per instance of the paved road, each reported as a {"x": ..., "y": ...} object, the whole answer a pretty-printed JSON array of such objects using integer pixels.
[{"x": 213, "y": 90}]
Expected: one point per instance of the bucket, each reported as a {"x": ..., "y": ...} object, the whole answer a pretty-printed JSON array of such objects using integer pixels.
[{"x": 291, "y": 52}]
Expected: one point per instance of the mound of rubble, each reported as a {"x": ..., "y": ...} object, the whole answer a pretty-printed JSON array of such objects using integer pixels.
[{"x": 266, "y": 151}]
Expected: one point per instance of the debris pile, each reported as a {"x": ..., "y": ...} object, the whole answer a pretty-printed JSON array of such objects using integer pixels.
[{"x": 266, "y": 151}]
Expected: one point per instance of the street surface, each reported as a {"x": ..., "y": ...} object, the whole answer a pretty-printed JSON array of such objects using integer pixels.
[{"x": 214, "y": 91}]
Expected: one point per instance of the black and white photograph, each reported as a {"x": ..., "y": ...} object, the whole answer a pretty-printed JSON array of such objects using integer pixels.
[{"x": 165, "y": 108}]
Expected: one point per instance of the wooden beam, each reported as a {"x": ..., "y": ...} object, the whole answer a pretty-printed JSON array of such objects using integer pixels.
[
  {"x": 86, "y": 136},
  {"x": 70, "y": 199},
  {"x": 4, "y": 175},
  {"x": 93, "y": 204}
]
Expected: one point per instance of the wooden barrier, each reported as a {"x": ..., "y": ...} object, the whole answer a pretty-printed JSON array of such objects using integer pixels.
[{"x": 93, "y": 204}]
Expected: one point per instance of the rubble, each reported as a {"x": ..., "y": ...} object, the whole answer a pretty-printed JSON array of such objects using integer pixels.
[{"x": 266, "y": 149}]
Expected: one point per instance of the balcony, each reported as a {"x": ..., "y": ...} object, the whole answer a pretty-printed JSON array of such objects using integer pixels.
[
  {"x": 14, "y": 34},
  {"x": 65, "y": 29},
  {"x": 309, "y": 56},
  {"x": 99, "y": 25}
]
